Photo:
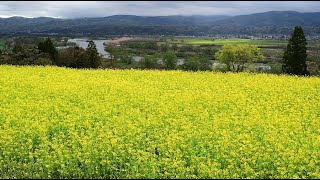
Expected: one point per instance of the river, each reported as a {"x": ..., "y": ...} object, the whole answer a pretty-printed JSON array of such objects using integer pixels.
[
  {"x": 100, "y": 47},
  {"x": 84, "y": 44}
]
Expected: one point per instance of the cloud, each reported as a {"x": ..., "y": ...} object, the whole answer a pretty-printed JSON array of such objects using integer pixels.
[{"x": 76, "y": 9}]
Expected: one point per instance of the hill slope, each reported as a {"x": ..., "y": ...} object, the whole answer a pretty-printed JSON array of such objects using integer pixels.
[
  {"x": 276, "y": 22},
  {"x": 274, "y": 18}
]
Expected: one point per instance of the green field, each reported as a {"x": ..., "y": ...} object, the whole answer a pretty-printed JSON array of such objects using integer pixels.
[
  {"x": 266, "y": 42},
  {"x": 234, "y": 41},
  {"x": 71, "y": 123}
]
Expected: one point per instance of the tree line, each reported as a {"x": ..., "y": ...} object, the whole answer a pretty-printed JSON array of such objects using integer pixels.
[
  {"x": 45, "y": 53},
  {"x": 233, "y": 57}
]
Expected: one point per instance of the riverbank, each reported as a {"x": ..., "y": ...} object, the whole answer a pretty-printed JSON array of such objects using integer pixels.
[{"x": 117, "y": 41}]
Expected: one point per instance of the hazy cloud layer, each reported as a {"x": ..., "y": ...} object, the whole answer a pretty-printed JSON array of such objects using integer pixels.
[{"x": 76, "y": 9}]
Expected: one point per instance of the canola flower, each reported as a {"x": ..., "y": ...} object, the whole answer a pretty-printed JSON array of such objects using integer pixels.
[{"x": 67, "y": 123}]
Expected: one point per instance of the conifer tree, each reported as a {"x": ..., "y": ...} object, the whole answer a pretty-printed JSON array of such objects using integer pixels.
[
  {"x": 93, "y": 55},
  {"x": 48, "y": 47},
  {"x": 296, "y": 54}
]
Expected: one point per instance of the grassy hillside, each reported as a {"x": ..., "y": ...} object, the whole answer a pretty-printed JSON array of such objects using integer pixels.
[
  {"x": 67, "y": 123},
  {"x": 2, "y": 45}
]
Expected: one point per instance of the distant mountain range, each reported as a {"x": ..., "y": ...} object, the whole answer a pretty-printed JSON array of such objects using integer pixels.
[
  {"x": 272, "y": 22},
  {"x": 274, "y": 18}
]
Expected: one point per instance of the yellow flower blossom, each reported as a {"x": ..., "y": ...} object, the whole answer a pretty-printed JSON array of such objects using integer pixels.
[{"x": 75, "y": 123}]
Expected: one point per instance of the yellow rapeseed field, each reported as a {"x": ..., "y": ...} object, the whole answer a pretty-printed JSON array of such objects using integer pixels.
[{"x": 67, "y": 123}]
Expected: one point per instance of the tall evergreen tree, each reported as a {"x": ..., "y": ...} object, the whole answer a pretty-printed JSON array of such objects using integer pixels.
[
  {"x": 48, "y": 47},
  {"x": 93, "y": 55},
  {"x": 296, "y": 54}
]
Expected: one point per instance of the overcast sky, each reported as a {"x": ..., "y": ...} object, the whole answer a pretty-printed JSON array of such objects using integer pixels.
[{"x": 76, "y": 9}]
